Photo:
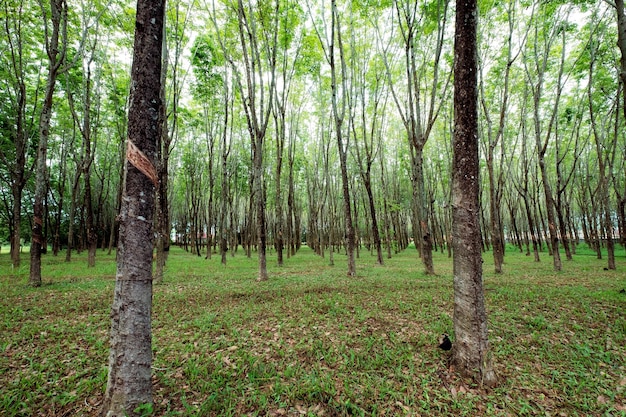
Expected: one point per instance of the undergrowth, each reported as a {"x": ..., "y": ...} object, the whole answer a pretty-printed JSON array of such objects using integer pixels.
[{"x": 313, "y": 342}]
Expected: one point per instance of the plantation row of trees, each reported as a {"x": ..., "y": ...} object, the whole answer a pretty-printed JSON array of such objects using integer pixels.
[{"x": 330, "y": 124}]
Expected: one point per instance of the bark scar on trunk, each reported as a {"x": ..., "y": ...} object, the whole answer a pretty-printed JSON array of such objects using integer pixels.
[{"x": 141, "y": 162}]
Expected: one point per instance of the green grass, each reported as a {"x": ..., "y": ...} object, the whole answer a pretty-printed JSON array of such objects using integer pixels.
[{"x": 314, "y": 342}]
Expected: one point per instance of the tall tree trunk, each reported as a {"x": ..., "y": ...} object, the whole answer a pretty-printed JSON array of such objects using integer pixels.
[
  {"x": 471, "y": 349},
  {"x": 72, "y": 214},
  {"x": 86, "y": 163},
  {"x": 603, "y": 151},
  {"x": 257, "y": 109},
  {"x": 130, "y": 359},
  {"x": 339, "y": 117},
  {"x": 542, "y": 144},
  {"x": 58, "y": 215},
  {"x": 55, "y": 49},
  {"x": 225, "y": 152},
  {"x": 292, "y": 224},
  {"x": 16, "y": 162},
  {"x": 411, "y": 110},
  {"x": 278, "y": 234},
  {"x": 162, "y": 200},
  {"x": 261, "y": 224},
  {"x": 621, "y": 43}
]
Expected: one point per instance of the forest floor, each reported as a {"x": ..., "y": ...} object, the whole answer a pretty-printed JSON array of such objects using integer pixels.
[{"x": 313, "y": 342}]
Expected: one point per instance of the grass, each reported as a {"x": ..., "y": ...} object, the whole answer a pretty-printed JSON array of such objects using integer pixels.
[{"x": 313, "y": 342}]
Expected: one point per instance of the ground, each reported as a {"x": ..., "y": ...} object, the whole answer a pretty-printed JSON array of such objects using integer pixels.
[{"x": 313, "y": 342}]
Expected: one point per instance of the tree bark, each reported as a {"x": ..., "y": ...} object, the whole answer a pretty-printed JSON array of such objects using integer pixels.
[
  {"x": 471, "y": 349},
  {"x": 130, "y": 359}
]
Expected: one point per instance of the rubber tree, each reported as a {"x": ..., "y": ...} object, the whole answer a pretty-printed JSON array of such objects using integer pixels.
[
  {"x": 494, "y": 98},
  {"x": 129, "y": 385},
  {"x": 16, "y": 43},
  {"x": 420, "y": 24},
  {"x": 254, "y": 71},
  {"x": 56, "y": 44},
  {"x": 331, "y": 39},
  {"x": 471, "y": 348},
  {"x": 549, "y": 27},
  {"x": 621, "y": 43}
]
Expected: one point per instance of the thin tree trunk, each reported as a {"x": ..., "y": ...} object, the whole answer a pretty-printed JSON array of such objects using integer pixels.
[
  {"x": 342, "y": 144},
  {"x": 225, "y": 152},
  {"x": 16, "y": 162},
  {"x": 85, "y": 165},
  {"x": 162, "y": 200},
  {"x": 603, "y": 185},
  {"x": 621, "y": 43},
  {"x": 55, "y": 48}
]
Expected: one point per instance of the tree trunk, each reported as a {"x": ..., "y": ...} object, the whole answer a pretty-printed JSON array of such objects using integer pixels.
[
  {"x": 162, "y": 201},
  {"x": 225, "y": 152},
  {"x": 86, "y": 163},
  {"x": 471, "y": 349},
  {"x": 130, "y": 359},
  {"x": 621, "y": 43},
  {"x": 257, "y": 110},
  {"x": 342, "y": 144},
  {"x": 604, "y": 164},
  {"x": 16, "y": 241},
  {"x": 56, "y": 57},
  {"x": 16, "y": 163},
  {"x": 261, "y": 224}
]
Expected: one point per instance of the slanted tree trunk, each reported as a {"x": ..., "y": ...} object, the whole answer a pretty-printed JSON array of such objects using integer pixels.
[
  {"x": 546, "y": 40},
  {"x": 130, "y": 359},
  {"x": 471, "y": 349},
  {"x": 55, "y": 48},
  {"x": 365, "y": 146},
  {"x": 86, "y": 162}
]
